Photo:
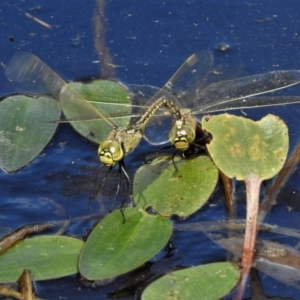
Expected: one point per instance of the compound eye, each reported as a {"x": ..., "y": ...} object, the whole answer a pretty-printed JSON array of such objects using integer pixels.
[
  {"x": 110, "y": 152},
  {"x": 182, "y": 137}
]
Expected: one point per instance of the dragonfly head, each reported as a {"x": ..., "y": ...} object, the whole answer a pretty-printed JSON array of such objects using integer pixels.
[
  {"x": 110, "y": 152},
  {"x": 182, "y": 137}
]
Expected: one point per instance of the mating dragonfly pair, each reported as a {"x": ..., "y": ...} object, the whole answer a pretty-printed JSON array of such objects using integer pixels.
[{"x": 187, "y": 94}]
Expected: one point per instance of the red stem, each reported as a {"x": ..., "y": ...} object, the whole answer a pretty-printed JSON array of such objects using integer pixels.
[{"x": 252, "y": 189}]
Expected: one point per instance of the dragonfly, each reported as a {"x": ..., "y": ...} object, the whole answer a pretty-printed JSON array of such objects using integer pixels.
[
  {"x": 29, "y": 71},
  {"x": 206, "y": 97}
]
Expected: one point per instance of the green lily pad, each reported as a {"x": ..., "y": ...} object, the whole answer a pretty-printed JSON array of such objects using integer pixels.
[
  {"x": 47, "y": 257},
  {"x": 206, "y": 282},
  {"x": 241, "y": 147},
  {"x": 114, "y": 247},
  {"x": 26, "y": 126},
  {"x": 181, "y": 193},
  {"x": 99, "y": 98},
  {"x": 249, "y": 151}
]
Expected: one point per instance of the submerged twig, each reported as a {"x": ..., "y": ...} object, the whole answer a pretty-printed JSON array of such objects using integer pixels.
[
  {"x": 8, "y": 241},
  {"x": 14, "y": 237},
  {"x": 107, "y": 69},
  {"x": 25, "y": 285},
  {"x": 9, "y": 292},
  {"x": 228, "y": 192}
]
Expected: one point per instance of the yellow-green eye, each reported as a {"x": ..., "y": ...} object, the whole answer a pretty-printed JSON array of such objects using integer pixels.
[{"x": 110, "y": 152}]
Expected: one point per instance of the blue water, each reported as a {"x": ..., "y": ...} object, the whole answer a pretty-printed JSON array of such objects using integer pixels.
[{"x": 148, "y": 41}]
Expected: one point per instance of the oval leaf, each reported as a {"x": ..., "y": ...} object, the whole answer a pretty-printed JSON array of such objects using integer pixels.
[
  {"x": 47, "y": 257},
  {"x": 108, "y": 96},
  {"x": 114, "y": 248},
  {"x": 241, "y": 147},
  {"x": 206, "y": 282},
  {"x": 181, "y": 193},
  {"x": 26, "y": 126}
]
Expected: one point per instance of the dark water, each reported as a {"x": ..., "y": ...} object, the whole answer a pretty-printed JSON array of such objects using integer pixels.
[{"x": 148, "y": 41}]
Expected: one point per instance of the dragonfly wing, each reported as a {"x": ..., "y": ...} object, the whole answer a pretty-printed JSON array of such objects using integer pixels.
[
  {"x": 193, "y": 72},
  {"x": 261, "y": 101},
  {"x": 101, "y": 95},
  {"x": 36, "y": 77},
  {"x": 191, "y": 77},
  {"x": 231, "y": 94},
  {"x": 33, "y": 75}
]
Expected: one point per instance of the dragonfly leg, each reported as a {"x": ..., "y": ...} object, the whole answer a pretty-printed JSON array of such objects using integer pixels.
[
  {"x": 198, "y": 146},
  {"x": 204, "y": 139},
  {"x": 128, "y": 181},
  {"x": 116, "y": 194},
  {"x": 194, "y": 149},
  {"x": 173, "y": 156},
  {"x": 128, "y": 185},
  {"x": 92, "y": 197},
  {"x": 117, "y": 191},
  {"x": 164, "y": 148},
  {"x": 158, "y": 152},
  {"x": 173, "y": 162},
  {"x": 122, "y": 170}
]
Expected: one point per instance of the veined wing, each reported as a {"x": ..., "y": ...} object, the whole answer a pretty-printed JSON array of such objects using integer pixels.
[
  {"x": 240, "y": 92},
  {"x": 106, "y": 96},
  {"x": 226, "y": 95},
  {"x": 33, "y": 74},
  {"x": 193, "y": 72}
]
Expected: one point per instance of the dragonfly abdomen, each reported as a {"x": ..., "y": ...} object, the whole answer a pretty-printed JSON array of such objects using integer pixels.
[{"x": 162, "y": 101}]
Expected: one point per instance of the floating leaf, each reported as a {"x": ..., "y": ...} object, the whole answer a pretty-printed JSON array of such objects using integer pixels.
[
  {"x": 109, "y": 96},
  {"x": 114, "y": 247},
  {"x": 47, "y": 257},
  {"x": 26, "y": 126},
  {"x": 181, "y": 193},
  {"x": 206, "y": 282},
  {"x": 241, "y": 147},
  {"x": 249, "y": 151}
]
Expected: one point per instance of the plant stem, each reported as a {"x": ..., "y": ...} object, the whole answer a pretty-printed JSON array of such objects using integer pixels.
[{"x": 252, "y": 189}]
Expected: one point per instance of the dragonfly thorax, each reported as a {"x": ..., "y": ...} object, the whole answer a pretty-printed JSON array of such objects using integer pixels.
[{"x": 110, "y": 152}]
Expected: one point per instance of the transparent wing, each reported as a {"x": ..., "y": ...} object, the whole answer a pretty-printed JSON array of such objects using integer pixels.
[
  {"x": 239, "y": 93},
  {"x": 191, "y": 75},
  {"x": 94, "y": 114},
  {"x": 193, "y": 72},
  {"x": 36, "y": 77}
]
